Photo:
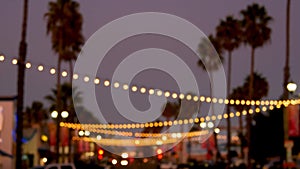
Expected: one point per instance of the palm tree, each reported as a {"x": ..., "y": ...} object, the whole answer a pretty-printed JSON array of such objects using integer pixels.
[
  {"x": 256, "y": 32},
  {"x": 286, "y": 74},
  {"x": 229, "y": 33},
  {"x": 210, "y": 51},
  {"x": 35, "y": 114},
  {"x": 64, "y": 24},
  {"x": 241, "y": 92},
  {"x": 67, "y": 104},
  {"x": 20, "y": 87}
]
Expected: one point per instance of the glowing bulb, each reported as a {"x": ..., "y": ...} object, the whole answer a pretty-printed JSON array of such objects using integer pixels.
[
  {"x": 87, "y": 133},
  {"x": 210, "y": 124},
  {"x": 98, "y": 137},
  {"x": 106, "y": 83},
  {"x": 134, "y": 88},
  {"x": 125, "y": 86},
  {"x": 52, "y": 71},
  {"x": 195, "y": 98},
  {"x": 2, "y": 58},
  {"x": 217, "y": 130},
  {"x": 64, "y": 114},
  {"x": 143, "y": 90},
  {"x": 86, "y": 79},
  {"x": 54, "y": 114},
  {"x": 203, "y": 125},
  {"x": 14, "y": 61},
  {"x": 116, "y": 85},
  {"x": 40, "y": 68},
  {"x": 167, "y": 94},
  {"x": 114, "y": 161},
  {"x": 174, "y": 95},
  {"x": 181, "y": 96},
  {"x": 159, "y": 93},
  {"x": 64, "y": 73},
  {"x": 151, "y": 91},
  {"x": 188, "y": 97},
  {"x": 28, "y": 65},
  {"x": 75, "y": 76},
  {"x": 97, "y": 81}
]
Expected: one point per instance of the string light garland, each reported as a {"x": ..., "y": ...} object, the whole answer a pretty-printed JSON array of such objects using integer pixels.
[
  {"x": 151, "y": 91},
  {"x": 146, "y": 141},
  {"x": 200, "y": 120},
  {"x": 127, "y": 142},
  {"x": 137, "y": 134}
]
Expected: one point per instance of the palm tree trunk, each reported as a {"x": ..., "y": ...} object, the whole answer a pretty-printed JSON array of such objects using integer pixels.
[
  {"x": 58, "y": 97},
  {"x": 228, "y": 108},
  {"x": 71, "y": 71},
  {"x": 287, "y": 54},
  {"x": 249, "y": 117},
  {"x": 286, "y": 75},
  {"x": 21, "y": 80}
]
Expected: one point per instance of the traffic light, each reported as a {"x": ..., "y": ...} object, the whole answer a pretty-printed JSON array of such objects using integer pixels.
[
  {"x": 100, "y": 154},
  {"x": 159, "y": 154}
]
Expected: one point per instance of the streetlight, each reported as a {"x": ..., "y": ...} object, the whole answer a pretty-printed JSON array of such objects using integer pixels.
[
  {"x": 291, "y": 87},
  {"x": 64, "y": 114}
]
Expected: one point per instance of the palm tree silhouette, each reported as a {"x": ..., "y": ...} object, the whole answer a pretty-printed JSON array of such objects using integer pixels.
[
  {"x": 64, "y": 24},
  {"x": 256, "y": 32},
  {"x": 229, "y": 35}
]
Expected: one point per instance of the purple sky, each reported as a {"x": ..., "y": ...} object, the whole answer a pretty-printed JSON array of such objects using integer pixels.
[{"x": 205, "y": 14}]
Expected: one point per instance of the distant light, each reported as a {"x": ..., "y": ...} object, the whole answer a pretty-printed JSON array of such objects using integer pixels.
[
  {"x": 40, "y": 68},
  {"x": 44, "y": 160},
  {"x": 124, "y": 155},
  {"x": 217, "y": 130},
  {"x": 178, "y": 135},
  {"x": 164, "y": 138},
  {"x": 159, "y": 151},
  {"x": 28, "y": 65},
  {"x": 159, "y": 142},
  {"x": 203, "y": 125},
  {"x": 124, "y": 162},
  {"x": 44, "y": 138},
  {"x": 81, "y": 133},
  {"x": 114, "y": 161},
  {"x": 210, "y": 124},
  {"x": 98, "y": 137},
  {"x": 54, "y": 114},
  {"x": 97, "y": 81},
  {"x": 14, "y": 61},
  {"x": 52, "y": 71},
  {"x": 64, "y": 73},
  {"x": 87, "y": 133},
  {"x": 174, "y": 95},
  {"x": 64, "y": 114}
]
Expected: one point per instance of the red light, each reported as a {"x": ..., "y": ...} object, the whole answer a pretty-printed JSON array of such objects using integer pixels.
[
  {"x": 100, "y": 157},
  {"x": 159, "y": 156}
]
